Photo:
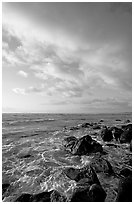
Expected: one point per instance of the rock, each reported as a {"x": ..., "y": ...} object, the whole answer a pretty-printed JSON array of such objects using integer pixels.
[
  {"x": 101, "y": 165},
  {"x": 117, "y": 133},
  {"x": 5, "y": 186},
  {"x": 40, "y": 197},
  {"x": 85, "y": 146},
  {"x": 85, "y": 125},
  {"x": 118, "y": 120},
  {"x": 94, "y": 193},
  {"x": 97, "y": 193},
  {"x": 125, "y": 190},
  {"x": 125, "y": 172},
  {"x": 69, "y": 142},
  {"x": 128, "y": 121},
  {"x": 106, "y": 134},
  {"x": 101, "y": 121},
  {"x": 96, "y": 127},
  {"x": 74, "y": 128},
  {"x": 126, "y": 136},
  {"x": 57, "y": 197},
  {"x": 87, "y": 173}
]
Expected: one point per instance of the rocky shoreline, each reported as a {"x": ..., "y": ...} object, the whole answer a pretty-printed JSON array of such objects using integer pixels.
[{"x": 103, "y": 178}]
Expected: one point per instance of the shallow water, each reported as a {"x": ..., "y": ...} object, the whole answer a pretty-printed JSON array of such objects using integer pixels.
[{"x": 33, "y": 157}]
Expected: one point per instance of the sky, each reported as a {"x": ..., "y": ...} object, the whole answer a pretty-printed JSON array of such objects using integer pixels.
[{"x": 67, "y": 57}]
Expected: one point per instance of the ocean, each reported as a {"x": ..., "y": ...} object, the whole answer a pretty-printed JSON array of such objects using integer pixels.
[{"x": 33, "y": 157}]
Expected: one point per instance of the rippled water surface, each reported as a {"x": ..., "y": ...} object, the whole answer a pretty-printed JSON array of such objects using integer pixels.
[{"x": 33, "y": 154}]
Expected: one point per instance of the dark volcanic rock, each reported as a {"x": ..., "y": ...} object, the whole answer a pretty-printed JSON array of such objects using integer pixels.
[
  {"x": 83, "y": 146},
  {"x": 41, "y": 197},
  {"x": 97, "y": 193},
  {"x": 86, "y": 145},
  {"x": 69, "y": 142},
  {"x": 94, "y": 193},
  {"x": 85, "y": 125},
  {"x": 101, "y": 165},
  {"x": 125, "y": 172},
  {"x": 85, "y": 175},
  {"x": 5, "y": 186},
  {"x": 125, "y": 190},
  {"x": 57, "y": 197},
  {"x": 126, "y": 136},
  {"x": 106, "y": 134},
  {"x": 117, "y": 133}
]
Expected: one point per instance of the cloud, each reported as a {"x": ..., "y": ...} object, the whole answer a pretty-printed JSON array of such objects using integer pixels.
[
  {"x": 19, "y": 91},
  {"x": 22, "y": 73}
]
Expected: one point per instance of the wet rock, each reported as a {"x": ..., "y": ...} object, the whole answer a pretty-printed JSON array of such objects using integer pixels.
[
  {"x": 5, "y": 186},
  {"x": 126, "y": 136},
  {"x": 85, "y": 125},
  {"x": 128, "y": 121},
  {"x": 96, "y": 127},
  {"x": 125, "y": 190},
  {"x": 117, "y": 133},
  {"x": 57, "y": 197},
  {"x": 106, "y": 134},
  {"x": 69, "y": 142},
  {"x": 94, "y": 193},
  {"x": 97, "y": 193},
  {"x": 40, "y": 197},
  {"x": 85, "y": 146},
  {"x": 101, "y": 121},
  {"x": 125, "y": 172},
  {"x": 101, "y": 165},
  {"x": 84, "y": 176}
]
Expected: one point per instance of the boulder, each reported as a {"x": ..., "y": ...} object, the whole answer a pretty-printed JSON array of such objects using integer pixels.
[
  {"x": 85, "y": 125},
  {"x": 106, "y": 134},
  {"x": 83, "y": 176},
  {"x": 86, "y": 145},
  {"x": 118, "y": 120},
  {"x": 126, "y": 136},
  {"x": 96, "y": 127},
  {"x": 83, "y": 146},
  {"x": 40, "y": 197},
  {"x": 124, "y": 190},
  {"x": 101, "y": 165},
  {"x": 117, "y": 133},
  {"x": 57, "y": 197},
  {"x": 127, "y": 121},
  {"x": 101, "y": 121},
  {"x": 94, "y": 193},
  {"x": 125, "y": 172}
]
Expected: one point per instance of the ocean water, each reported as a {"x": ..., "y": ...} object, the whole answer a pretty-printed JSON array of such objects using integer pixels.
[{"x": 33, "y": 157}]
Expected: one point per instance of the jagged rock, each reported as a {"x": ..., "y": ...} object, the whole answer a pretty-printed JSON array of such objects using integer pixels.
[
  {"x": 106, "y": 134},
  {"x": 117, "y": 133},
  {"x": 5, "y": 186},
  {"x": 87, "y": 173},
  {"x": 57, "y": 197},
  {"x": 69, "y": 142},
  {"x": 97, "y": 193},
  {"x": 96, "y": 127},
  {"x": 40, "y": 197},
  {"x": 125, "y": 190},
  {"x": 126, "y": 136},
  {"x": 86, "y": 145},
  {"x": 94, "y": 193},
  {"x": 83, "y": 146},
  {"x": 125, "y": 172},
  {"x": 85, "y": 125},
  {"x": 101, "y": 165}
]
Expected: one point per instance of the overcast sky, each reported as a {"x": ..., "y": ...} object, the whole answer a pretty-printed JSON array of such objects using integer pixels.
[{"x": 67, "y": 57}]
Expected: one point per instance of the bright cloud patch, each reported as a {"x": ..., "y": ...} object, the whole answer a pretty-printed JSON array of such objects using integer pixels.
[{"x": 23, "y": 74}]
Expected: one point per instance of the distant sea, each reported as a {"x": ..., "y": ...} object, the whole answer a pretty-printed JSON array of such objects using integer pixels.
[{"x": 32, "y": 152}]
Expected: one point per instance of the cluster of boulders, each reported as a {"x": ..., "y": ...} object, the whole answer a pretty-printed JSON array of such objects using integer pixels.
[
  {"x": 82, "y": 146},
  {"x": 123, "y": 134}
]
